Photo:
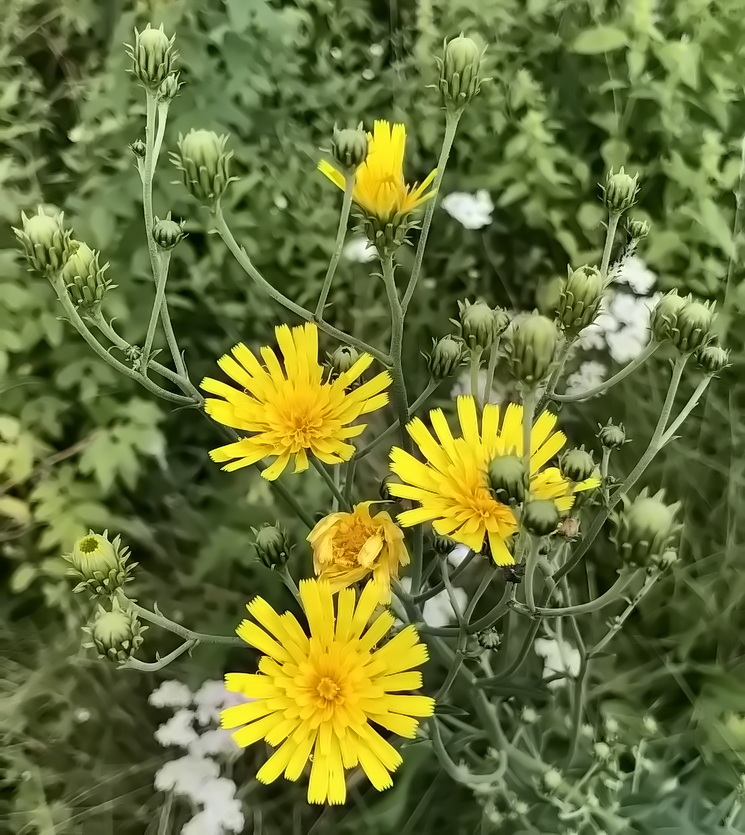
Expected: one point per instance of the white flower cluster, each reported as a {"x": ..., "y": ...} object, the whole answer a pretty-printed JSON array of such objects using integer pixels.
[
  {"x": 559, "y": 657},
  {"x": 196, "y": 775},
  {"x": 473, "y": 211}
]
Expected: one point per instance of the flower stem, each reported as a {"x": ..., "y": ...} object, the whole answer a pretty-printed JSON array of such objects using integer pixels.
[
  {"x": 164, "y": 260},
  {"x": 685, "y": 411},
  {"x": 341, "y": 233},
  {"x": 610, "y": 235},
  {"x": 284, "y": 573},
  {"x": 161, "y": 663},
  {"x": 451, "y": 126},
  {"x": 333, "y": 487},
  {"x": 490, "y": 371},
  {"x": 474, "y": 375},
  {"x": 610, "y": 596}
]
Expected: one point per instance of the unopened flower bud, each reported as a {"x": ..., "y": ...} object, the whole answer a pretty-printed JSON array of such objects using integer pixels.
[
  {"x": 343, "y": 359},
  {"x": 637, "y": 229},
  {"x": 552, "y": 779},
  {"x": 168, "y": 88},
  {"x": 272, "y": 545},
  {"x": 533, "y": 348},
  {"x": 644, "y": 528},
  {"x": 693, "y": 325},
  {"x": 620, "y": 191},
  {"x": 116, "y": 634},
  {"x": 507, "y": 477},
  {"x": 480, "y": 325},
  {"x": 580, "y": 298},
  {"x": 601, "y": 750},
  {"x": 443, "y": 545},
  {"x": 99, "y": 565},
  {"x": 712, "y": 358},
  {"x": 447, "y": 356},
  {"x": 665, "y": 315},
  {"x": 576, "y": 464},
  {"x": 612, "y": 435},
  {"x": 85, "y": 278},
  {"x": 384, "y": 491},
  {"x": 138, "y": 148},
  {"x": 167, "y": 233},
  {"x": 204, "y": 164},
  {"x": 45, "y": 241},
  {"x": 489, "y": 639},
  {"x": 349, "y": 147},
  {"x": 460, "y": 72},
  {"x": 152, "y": 56},
  {"x": 540, "y": 517}
]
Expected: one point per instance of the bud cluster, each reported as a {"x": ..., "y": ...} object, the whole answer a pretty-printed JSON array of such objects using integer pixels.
[
  {"x": 620, "y": 190},
  {"x": 480, "y": 325},
  {"x": 85, "y": 278},
  {"x": 644, "y": 529},
  {"x": 580, "y": 298},
  {"x": 99, "y": 565},
  {"x": 349, "y": 148},
  {"x": 533, "y": 346},
  {"x": 204, "y": 165},
  {"x": 273, "y": 545},
  {"x": 460, "y": 72},
  {"x": 152, "y": 57},
  {"x": 115, "y": 633},
  {"x": 46, "y": 243},
  {"x": 686, "y": 322}
]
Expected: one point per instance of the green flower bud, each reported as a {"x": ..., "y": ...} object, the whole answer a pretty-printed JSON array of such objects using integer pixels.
[
  {"x": 576, "y": 464},
  {"x": 535, "y": 339},
  {"x": 540, "y": 517},
  {"x": 443, "y": 545},
  {"x": 637, "y": 229},
  {"x": 644, "y": 528},
  {"x": 116, "y": 634},
  {"x": 167, "y": 233},
  {"x": 204, "y": 164},
  {"x": 168, "y": 88},
  {"x": 343, "y": 358},
  {"x": 612, "y": 435},
  {"x": 100, "y": 566},
  {"x": 580, "y": 298},
  {"x": 460, "y": 72},
  {"x": 446, "y": 357},
  {"x": 272, "y": 545},
  {"x": 349, "y": 147},
  {"x": 152, "y": 56},
  {"x": 85, "y": 278},
  {"x": 693, "y": 325},
  {"x": 508, "y": 479},
  {"x": 384, "y": 490},
  {"x": 665, "y": 315},
  {"x": 620, "y": 191},
  {"x": 138, "y": 149},
  {"x": 45, "y": 241},
  {"x": 480, "y": 325},
  {"x": 712, "y": 358},
  {"x": 489, "y": 639}
]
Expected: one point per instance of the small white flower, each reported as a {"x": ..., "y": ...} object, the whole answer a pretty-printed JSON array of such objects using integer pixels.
[
  {"x": 186, "y": 776},
  {"x": 214, "y": 743},
  {"x": 588, "y": 376},
  {"x": 359, "y": 249},
  {"x": 637, "y": 275},
  {"x": 376, "y": 50},
  {"x": 170, "y": 694},
  {"x": 470, "y": 210},
  {"x": 558, "y": 657},
  {"x": 82, "y": 715},
  {"x": 177, "y": 730},
  {"x": 437, "y": 611},
  {"x": 626, "y": 345},
  {"x": 211, "y": 698}
]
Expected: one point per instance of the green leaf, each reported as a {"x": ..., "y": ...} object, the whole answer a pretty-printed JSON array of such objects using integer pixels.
[
  {"x": 15, "y": 509},
  {"x": 599, "y": 39},
  {"x": 22, "y": 578},
  {"x": 449, "y": 710}
]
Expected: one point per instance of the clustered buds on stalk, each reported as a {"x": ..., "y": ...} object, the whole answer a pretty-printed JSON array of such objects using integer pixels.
[
  {"x": 85, "y": 278},
  {"x": 272, "y": 545},
  {"x": 686, "y": 322},
  {"x": 446, "y": 357},
  {"x": 152, "y": 56},
  {"x": 100, "y": 566},
  {"x": 46, "y": 243},
  {"x": 644, "y": 529},
  {"x": 480, "y": 325},
  {"x": 204, "y": 165},
  {"x": 580, "y": 299},
  {"x": 532, "y": 350},
  {"x": 576, "y": 464},
  {"x": 115, "y": 633},
  {"x": 540, "y": 517},
  {"x": 620, "y": 190},
  {"x": 167, "y": 233},
  {"x": 349, "y": 148},
  {"x": 637, "y": 229},
  {"x": 712, "y": 358},
  {"x": 612, "y": 435},
  {"x": 168, "y": 88},
  {"x": 508, "y": 480},
  {"x": 460, "y": 72},
  {"x": 138, "y": 148}
]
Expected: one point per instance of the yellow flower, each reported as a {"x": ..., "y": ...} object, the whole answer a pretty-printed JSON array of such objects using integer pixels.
[
  {"x": 290, "y": 412},
  {"x": 379, "y": 186},
  {"x": 452, "y": 488},
  {"x": 349, "y": 546},
  {"x": 316, "y": 695}
]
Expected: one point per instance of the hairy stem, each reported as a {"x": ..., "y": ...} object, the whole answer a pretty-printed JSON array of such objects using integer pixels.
[{"x": 341, "y": 233}]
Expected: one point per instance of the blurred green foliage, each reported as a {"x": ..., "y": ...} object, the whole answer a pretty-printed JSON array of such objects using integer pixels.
[{"x": 578, "y": 86}]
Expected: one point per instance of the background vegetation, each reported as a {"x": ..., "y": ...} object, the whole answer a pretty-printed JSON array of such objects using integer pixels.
[{"x": 579, "y": 85}]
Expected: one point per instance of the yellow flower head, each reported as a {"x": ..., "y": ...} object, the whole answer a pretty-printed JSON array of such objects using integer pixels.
[
  {"x": 318, "y": 695},
  {"x": 347, "y": 547},
  {"x": 452, "y": 487},
  {"x": 380, "y": 189},
  {"x": 292, "y": 411}
]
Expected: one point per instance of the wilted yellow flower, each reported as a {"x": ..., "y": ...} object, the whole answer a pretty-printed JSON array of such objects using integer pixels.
[
  {"x": 349, "y": 546},
  {"x": 290, "y": 412},
  {"x": 380, "y": 189},
  {"x": 316, "y": 696},
  {"x": 452, "y": 486}
]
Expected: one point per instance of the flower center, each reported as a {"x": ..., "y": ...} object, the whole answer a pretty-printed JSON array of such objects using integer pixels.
[
  {"x": 302, "y": 425},
  {"x": 328, "y": 689},
  {"x": 350, "y": 539},
  {"x": 88, "y": 545}
]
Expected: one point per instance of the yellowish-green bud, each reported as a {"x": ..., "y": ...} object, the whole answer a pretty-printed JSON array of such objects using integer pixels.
[
  {"x": 612, "y": 435},
  {"x": 489, "y": 639},
  {"x": 580, "y": 298},
  {"x": 152, "y": 56},
  {"x": 342, "y": 360},
  {"x": 85, "y": 278},
  {"x": 637, "y": 229},
  {"x": 168, "y": 88},
  {"x": 693, "y": 325},
  {"x": 349, "y": 147},
  {"x": 167, "y": 233},
  {"x": 446, "y": 357},
  {"x": 100, "y": 566},
  {"x": 540, "y": 517},
  {"x": 665, "y": 315},
  {"x": 644, "y": 529},
  {"x": 45, "y": 241},
  {"x": 116, "y": 633},
  {"x": 535, "y": 339},
  {"x": 508, "y": 479},
  {"x": 576, "y": 464},
  {"x": 620, "y": 191},
  {"x": 138, "y": 148},
  {"x": 204, "y": 164},
  {"x": 272, "y": 545},
  {"x": 460, "y": 72},
  {"x": 712, "y": 358},
  {"x": 481, "y": 326}
]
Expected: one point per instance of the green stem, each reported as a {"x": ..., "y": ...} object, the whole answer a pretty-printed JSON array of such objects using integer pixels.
[
  {"x": 519, "y": 658},
  {"x": 604, "y": 471},
  {"x": 341, "y": 233},
  {"x": 425, "y": 595},
  {"x": 460, "y": 648},
  {"x": 553, "y": 382},
  {"x": 685, "y": 411},
  {"x": 530, "y": 566},
  {"x": 241, "y": 256},
  {"x": 349, "y": 480},
  {"x": 161, "y": 663},
  {"x": 164, "y": 259},
  {"x": 474, "y": 374},
  {"x": 495, "y": 613},
  {"x": 734, "y": 261},
  {"x": 451, "y": 126},
  {"x": 610, "y": 596},
  {"x": 478, "y": 594},
  {"x": 490, "y": 371},
  {"x": 292, "y": 502},
  {"x": 529, "y": 399},
  {"x": 610, "y": 236},
  {"x": 333, "y": 487},
  {"x": 284, "y": 573}
]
